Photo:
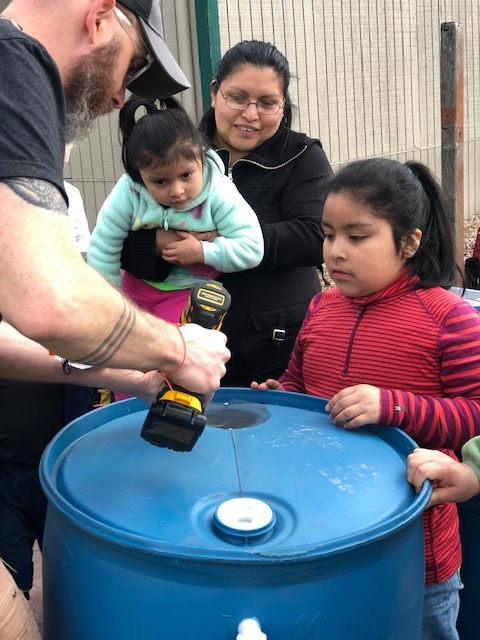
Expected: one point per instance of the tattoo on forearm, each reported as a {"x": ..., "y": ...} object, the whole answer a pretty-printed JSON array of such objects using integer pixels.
[
  {"x": 115, "y": 340},
  {"x": 40, "y": 193}
]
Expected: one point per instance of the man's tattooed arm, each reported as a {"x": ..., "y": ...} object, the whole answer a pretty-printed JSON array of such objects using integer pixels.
[
  {"x": 108, "y": 349},
  {"x": 40, "y": 193}
]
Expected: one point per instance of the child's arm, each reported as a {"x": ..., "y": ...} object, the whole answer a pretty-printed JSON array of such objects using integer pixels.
[
  {"x": 239, "y": 245},
  {"x": 435, "y": 422},
  {"x": 112, "y": 227}
]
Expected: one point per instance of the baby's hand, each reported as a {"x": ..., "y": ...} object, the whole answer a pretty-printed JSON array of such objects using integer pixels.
[
  {"x": 268, "y": 384},
  {"x": 355, "y": 406}
]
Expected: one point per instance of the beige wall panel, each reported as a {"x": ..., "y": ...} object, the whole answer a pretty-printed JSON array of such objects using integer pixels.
[
  {"x": 366, "y": 80},
  {"x": 368, "y": 73}
]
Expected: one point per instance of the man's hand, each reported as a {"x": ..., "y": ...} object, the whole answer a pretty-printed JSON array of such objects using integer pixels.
[
  {"x": 456, "y": 481},
  {"x": 355, "y": 406},
  {"x": 205, "y": 358},
  {"x": 131, "y": 383}
]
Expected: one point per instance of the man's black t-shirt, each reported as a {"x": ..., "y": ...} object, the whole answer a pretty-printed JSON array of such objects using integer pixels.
[
  {"x": 32, "y": 108},
  {"x": 32, "y": 145}
]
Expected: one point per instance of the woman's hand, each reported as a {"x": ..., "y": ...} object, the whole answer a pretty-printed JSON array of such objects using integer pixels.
[
  {"x": 163, "y": 238},
  {"x": 185, "y": 250},
  {"x": 205, "y": 236},
  {"x": 268, "y": 384},
  {"x": 355, "y": 406}
]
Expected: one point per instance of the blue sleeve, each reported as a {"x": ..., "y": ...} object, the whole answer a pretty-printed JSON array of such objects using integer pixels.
[
  {"x": 240, "y": 243},
  {"x": 111, "y": 229}
]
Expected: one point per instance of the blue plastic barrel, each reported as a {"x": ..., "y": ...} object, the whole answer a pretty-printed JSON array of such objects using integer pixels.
[{"x": 276, "y": 515}]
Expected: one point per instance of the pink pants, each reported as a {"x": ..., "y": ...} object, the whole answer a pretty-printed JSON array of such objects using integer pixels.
[{"x": 167, "y": 305}]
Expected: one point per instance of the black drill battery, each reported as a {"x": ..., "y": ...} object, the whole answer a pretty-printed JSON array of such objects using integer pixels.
[{"x": 175, "y": 421}]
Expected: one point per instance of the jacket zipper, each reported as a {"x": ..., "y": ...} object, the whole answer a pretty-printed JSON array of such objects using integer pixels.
[
  {"x": 262, "y": 166},
  {"x": 359, "y": 313},
  {"x": 278, "y": 166}
]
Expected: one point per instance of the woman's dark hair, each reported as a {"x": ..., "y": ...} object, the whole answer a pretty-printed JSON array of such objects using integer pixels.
[
  {"x": 258, "y": 54},
  {"x": 160, "y": 136},
  {"x": 409, "y": 197}
]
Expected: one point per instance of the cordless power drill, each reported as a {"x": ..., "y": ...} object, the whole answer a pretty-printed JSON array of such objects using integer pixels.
[{"x": 176, "y": 420}]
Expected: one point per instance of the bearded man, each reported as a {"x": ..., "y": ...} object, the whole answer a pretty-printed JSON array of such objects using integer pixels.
[{"x": 62, "y": 65}]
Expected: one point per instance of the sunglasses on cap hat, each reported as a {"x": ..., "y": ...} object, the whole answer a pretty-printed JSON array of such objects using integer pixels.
[{"x": 161, "y": 76}]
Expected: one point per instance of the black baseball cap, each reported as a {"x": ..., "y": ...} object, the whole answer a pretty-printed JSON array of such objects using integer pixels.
[{"x": 163, "y": 77}]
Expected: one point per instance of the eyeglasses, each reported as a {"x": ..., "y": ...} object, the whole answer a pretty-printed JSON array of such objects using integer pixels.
[
  {"x": 142, "y": 49},
  {"x": 239, "y": 103}
]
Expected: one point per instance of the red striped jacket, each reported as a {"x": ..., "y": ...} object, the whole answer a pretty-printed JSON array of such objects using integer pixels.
[{"x": 422, "y": 349}]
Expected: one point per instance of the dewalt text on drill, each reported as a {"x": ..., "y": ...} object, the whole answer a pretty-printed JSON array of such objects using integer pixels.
[{"x": 176, "y": 420}]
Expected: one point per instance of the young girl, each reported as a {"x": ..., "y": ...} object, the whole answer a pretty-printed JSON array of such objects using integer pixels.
[
  {"x": 171, "y": 181},
  {"x": 389, "y": 345}
]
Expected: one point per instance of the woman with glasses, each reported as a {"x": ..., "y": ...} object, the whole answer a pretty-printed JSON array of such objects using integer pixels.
[{"x": 281, "y": 174}]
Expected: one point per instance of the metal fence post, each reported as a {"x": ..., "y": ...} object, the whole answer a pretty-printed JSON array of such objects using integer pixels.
[{"x": 452, "y": 85}]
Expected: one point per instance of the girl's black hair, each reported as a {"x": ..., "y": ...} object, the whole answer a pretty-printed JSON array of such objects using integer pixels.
[
  {"x": 258, "y": 54},
  {"x": 164, "y": 134},
  {"x": 409, "y": 197}
]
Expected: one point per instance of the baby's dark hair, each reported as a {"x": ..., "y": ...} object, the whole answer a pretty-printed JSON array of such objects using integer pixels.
[
  {"x": 409, "y": 197},
  {"x": 161, "y": 136}
]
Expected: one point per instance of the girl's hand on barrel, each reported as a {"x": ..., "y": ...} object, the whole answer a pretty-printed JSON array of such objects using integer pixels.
[
  {"x": 455, "y": 481},
  {"x": 355, "y": 406},
  {"x": 268, "y": 384}
]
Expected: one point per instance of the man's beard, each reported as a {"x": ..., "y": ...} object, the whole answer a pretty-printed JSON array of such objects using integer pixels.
[{"x": 89, "y": 90}]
